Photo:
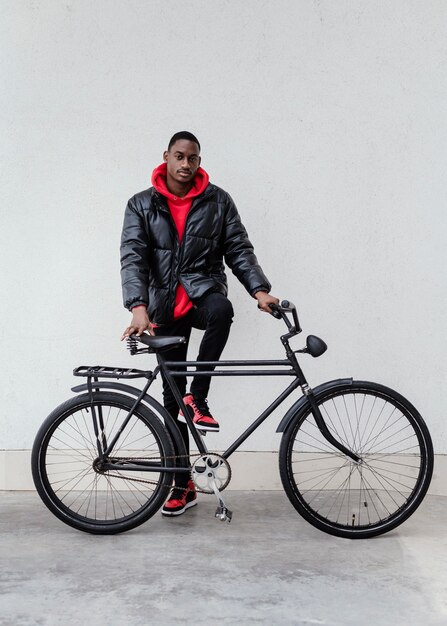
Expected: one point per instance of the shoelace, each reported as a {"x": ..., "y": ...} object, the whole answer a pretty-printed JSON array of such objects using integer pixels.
[
  {"x": 199, "y": 410},
  {"x": 196, "y": 409}
]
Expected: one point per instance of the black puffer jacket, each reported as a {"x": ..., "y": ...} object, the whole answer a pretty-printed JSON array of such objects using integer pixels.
[{"x": 153, "y": 261}]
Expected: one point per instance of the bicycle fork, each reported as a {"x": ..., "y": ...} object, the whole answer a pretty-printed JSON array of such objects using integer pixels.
[
  {"x": 308, "y": 392},
  {"x": 324, "y": 430}
]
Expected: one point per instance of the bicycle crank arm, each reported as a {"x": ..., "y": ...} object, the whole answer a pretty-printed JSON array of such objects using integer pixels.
[{"x": 222, "y": 512}]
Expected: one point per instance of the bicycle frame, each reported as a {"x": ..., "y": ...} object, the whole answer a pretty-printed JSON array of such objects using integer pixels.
[
  {"x": 173, "y": 369},
  {"x": 170, "y": 375}
]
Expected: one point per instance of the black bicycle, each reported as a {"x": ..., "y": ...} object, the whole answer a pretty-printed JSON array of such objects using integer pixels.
[{"x": 355, "y": 459}]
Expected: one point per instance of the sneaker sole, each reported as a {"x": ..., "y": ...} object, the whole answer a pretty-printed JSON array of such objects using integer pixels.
[
  {"x": 173, "y": 513},
  {"x": 209, "y": 429}
]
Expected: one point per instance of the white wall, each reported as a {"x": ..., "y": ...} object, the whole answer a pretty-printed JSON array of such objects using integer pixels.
[{"x": 326, "y": 121}]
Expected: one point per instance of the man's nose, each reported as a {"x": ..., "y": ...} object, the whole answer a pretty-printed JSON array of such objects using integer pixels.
[{"x": 184, "y": 163}]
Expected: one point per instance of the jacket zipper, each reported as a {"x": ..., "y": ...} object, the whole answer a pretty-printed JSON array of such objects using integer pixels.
[
  {"x": 164, "y": 208},
  {"x": 180, "y": 243},
  {"x": 191, "y": 210}
]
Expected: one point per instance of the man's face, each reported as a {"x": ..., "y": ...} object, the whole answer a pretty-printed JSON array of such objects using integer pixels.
[{"x": 183, "y": 160}]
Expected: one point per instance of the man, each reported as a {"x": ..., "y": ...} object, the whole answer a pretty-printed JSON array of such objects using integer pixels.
[{"x": 175, "y": 237}]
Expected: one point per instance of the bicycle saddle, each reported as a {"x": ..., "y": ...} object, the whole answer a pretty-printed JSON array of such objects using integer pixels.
[{"x": 159, "y": 343}]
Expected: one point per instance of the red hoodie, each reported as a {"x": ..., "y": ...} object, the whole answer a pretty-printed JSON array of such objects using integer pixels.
[{"x": 179, "y": 208}]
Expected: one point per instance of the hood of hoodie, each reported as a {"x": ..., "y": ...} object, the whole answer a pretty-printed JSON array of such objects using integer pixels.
[{"x": 158, "y": 180}]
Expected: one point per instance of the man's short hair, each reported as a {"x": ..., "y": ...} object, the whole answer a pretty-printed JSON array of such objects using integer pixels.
[{"x": 183, "y": 134}]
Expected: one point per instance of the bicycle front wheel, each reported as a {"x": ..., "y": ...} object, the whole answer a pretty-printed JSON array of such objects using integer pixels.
[
  {"x": 344, "y": 498},
  {"x": 68, "y": 474}
]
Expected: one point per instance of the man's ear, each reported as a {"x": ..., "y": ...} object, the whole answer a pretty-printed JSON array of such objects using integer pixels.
[
  {"x": 165, "y": 156},
  {"x": 200, "y": 160}
]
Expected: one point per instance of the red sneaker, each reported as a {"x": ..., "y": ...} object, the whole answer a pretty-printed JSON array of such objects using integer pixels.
[
  {"x": 180, "y": 500},
  {"x": 201, "y": 414}
]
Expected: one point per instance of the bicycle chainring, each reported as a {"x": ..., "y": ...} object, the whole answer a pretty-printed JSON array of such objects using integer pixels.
[{"x": 208, "y": 467}]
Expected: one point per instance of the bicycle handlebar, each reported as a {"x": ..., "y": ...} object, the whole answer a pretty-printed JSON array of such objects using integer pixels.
[{"x": 279, "y": 311}]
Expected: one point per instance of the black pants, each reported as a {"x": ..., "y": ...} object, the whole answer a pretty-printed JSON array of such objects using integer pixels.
[{"x": 214, "y": 314}]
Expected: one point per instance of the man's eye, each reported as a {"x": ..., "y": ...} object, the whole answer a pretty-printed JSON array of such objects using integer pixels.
[{"x": 193, "y": 159}]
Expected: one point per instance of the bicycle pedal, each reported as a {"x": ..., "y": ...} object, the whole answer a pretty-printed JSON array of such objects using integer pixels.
[{"x": 224, "y": 514}]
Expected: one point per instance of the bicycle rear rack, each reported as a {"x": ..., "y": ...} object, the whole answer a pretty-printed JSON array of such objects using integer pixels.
[{"x": 101, "y": 371}]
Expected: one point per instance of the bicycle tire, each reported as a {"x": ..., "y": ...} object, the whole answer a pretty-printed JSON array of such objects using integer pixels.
[
  {"x": 63, "y": 457},
  {"x": 339, "y": 496}
]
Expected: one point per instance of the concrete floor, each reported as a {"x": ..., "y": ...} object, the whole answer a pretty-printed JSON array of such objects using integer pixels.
[{"x": 267, "y": 567}]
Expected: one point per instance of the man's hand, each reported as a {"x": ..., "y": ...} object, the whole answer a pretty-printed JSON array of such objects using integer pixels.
[
  {"x": 264, "y": 299},
  {"x": 140, "y": 322}
]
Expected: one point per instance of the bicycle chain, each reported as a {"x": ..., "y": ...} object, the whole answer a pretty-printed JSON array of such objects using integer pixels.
[{"x": 165, "y": 458}]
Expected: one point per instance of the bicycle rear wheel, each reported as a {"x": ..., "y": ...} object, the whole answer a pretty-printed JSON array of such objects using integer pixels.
[
  {"x": 72, "y": 483},
  {"x": 352, "y": 500}
]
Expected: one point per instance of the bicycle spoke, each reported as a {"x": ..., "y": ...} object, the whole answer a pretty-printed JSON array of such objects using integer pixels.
[
  {"x": 331, "y": 427},
  {"x": 375, "y": 491},
  {"x": 374, "y": 441},
  {"x": 391, "y": 445},
  {"x": 391, "y": 482},
  {"x": 364, "y": 484},
  {"x": 64, "y": 452},
  {"x": 127, "y": 432},
  {"x": 349, "y": 421},
  {"x": 106, "y": 424},
  {"x": 390, "y": 471},
  {"x": 132, "y": 443},
  {"x": 80, "y": 493},
  {"x": 324, "y": 473},
  {"x": 113, "y": 497},
  {"x": 315, "y": 456},
  {"x": 359, "y": 419},
  {"x": 89, "y": 440},
  {"x": 383, "y": 456},
  {"x": 81, "y": 473},
  {"x": 91, "y": 494},
  {"x": 376, "y": 422},
  {"x": 326, "y": 483},
  {"x": 367, "y": 422},
  {"x": 320, "y": 439},
  {"x": 382, "y": 441},
  {"x": 74, "y": 439},
  {"x": 134, "y": 485},
  {"x": 77, "y": 451},
  {"x": 346, "y": 439},
  {"x": 330, "y": 424},
  {"x": 309, "y": 445},
  {"x": 342, "y": 491}
]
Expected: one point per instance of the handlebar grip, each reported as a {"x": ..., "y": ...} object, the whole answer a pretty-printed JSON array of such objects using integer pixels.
[
  {"x": 289, "y": 307},
  {"x": 279, "y": 311},
  {"x": 275, "y": 312}
]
